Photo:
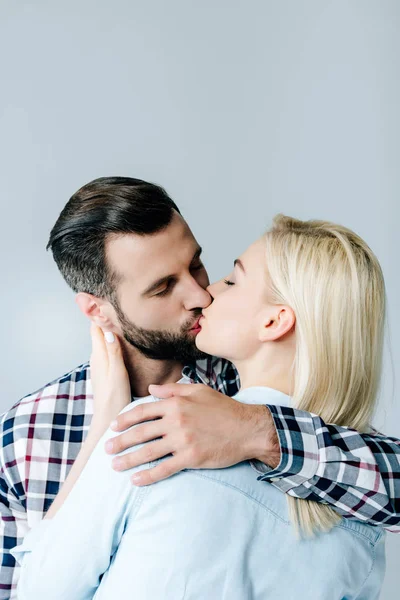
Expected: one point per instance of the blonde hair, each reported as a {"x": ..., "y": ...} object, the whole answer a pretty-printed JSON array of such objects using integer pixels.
[{"x": 334, "y": 283}]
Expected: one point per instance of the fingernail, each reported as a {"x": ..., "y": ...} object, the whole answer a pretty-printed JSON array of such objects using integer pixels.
[
  {"x": 117, "y": 464},
  {"x": 136, "y": 478},
  {"x": 109, "y": 337},
  {"x": 109, "y": 445},
  {"x": 114, "y": 425}
]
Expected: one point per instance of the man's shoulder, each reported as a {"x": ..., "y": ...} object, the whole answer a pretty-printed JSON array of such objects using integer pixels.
[
  {"x": 74, "y": 384},
  {"x": 42, "y": 431}
]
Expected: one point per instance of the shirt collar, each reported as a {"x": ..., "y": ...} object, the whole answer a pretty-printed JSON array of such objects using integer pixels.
[
  {"x": 262, "y": 395},
  {"x": 195, "y": 373}
]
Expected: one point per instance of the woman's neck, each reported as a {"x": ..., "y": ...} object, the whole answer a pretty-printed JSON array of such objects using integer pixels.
[{"x": 278, "y": 375}]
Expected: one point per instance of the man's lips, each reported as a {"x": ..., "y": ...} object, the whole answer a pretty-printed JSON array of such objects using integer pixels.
[{"x": 197, "y": 325}]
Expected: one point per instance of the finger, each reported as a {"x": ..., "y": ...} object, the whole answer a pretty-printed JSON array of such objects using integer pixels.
[
  {"x": 149, "y": 452},
  {"x": 164, "y": 469},
  {"x": 138, "y": 435},
  {"x": 172, "y": 389},
  {"x": 140, "y": 413},
  {"x": 114, "y": 351},
  {"x": 99, "y": 350}
]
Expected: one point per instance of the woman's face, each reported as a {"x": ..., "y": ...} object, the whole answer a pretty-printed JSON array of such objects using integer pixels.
[{"x": 233, "y": 322}]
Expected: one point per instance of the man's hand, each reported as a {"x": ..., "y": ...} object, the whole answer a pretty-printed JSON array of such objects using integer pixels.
[{"x": 201, "y": 428}]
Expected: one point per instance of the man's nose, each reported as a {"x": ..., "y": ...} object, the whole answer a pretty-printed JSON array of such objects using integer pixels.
[{"x": 198, "y": 297}]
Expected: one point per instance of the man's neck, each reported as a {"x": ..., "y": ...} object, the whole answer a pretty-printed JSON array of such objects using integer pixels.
[{"x": 145, "y": 371}]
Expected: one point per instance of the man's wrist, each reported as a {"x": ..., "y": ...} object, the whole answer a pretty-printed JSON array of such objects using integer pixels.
[{"x": 263, "y": 438}]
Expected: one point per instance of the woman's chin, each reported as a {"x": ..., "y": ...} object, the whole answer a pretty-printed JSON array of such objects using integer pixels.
[
  {"x": 201, "y": 342},
  {"x": 207, "y": 343}
]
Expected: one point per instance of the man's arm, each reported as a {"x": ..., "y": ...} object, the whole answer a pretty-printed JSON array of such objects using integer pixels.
[
  {"x": 357, "y": 474},
  {"x": 13, "y": 528}
]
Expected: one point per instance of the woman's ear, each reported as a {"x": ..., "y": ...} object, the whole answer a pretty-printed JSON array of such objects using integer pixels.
[
  {"x": 277, "y": 321},
  {"x": 95, "y": 310}
]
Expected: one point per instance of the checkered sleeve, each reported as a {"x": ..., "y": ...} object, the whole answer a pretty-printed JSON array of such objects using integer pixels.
[
  {"x": 13, "y": 528},
  {"x": 40, "y": 437},
  {"x": 357, "y": 474}
]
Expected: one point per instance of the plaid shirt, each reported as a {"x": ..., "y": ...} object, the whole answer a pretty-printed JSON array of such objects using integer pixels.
[{"x": 43, "y": 432}]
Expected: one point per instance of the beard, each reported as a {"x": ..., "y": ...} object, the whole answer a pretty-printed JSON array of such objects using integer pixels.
[{"x": 162, "y": 345}]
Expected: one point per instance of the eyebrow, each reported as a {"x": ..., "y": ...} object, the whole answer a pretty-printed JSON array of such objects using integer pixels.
[
  {"x": 154, "y": 286},
  {"x": 239, "y": 263}
]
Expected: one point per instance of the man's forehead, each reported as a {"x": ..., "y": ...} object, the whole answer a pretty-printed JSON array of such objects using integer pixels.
[{"x": 147, "y": 257}]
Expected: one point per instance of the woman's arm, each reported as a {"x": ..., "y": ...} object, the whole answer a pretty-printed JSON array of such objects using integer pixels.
[
  {"x": 111, "y": 393},
  {"x": 64, "y": 557},
  {"x": 95, "y": 433},
  {"x": 71, "y": 547}
]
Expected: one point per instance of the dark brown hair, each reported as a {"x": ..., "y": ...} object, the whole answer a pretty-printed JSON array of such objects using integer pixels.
[{"x": 104, "y": 207}]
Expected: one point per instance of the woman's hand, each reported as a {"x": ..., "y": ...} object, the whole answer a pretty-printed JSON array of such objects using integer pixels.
[
  {"x": 110, "y": 379},
  {"x": 111, "y": 391}
]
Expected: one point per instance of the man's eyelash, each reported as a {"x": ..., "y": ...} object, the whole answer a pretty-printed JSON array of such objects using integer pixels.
[
  {"x": 163, "y": 293},
  {"x": 228, "y": 282},
  {"x": 168, "y": 288}
]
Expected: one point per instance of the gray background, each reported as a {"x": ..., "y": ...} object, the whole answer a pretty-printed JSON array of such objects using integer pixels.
[{"x": 241, "y": 109}]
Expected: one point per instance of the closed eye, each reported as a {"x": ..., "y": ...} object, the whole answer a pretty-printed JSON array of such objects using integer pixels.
[
  {"x": 166, "y": 290},
  {"x": 228, "y": 282}
]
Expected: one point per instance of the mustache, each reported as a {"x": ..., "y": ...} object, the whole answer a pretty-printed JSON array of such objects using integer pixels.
[{"x": 196, "y": 313}]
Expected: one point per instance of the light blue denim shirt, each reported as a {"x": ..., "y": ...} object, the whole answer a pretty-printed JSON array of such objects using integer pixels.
[{"x": 201, "y": 534}]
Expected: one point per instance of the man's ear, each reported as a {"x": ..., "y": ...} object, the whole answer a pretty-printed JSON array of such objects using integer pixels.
[
  {"x": 95, "y": 309},
  {"x": 277, "y": 321}
]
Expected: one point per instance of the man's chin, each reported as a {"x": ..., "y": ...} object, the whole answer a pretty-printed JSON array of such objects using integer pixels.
[{"x": 183, "y": 350}]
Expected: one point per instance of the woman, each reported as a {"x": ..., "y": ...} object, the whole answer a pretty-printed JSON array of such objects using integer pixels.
[{"x": 302, "y": 318}]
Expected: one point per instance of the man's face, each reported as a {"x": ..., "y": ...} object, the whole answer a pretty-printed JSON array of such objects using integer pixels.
[{"x": 162, "y": 290}]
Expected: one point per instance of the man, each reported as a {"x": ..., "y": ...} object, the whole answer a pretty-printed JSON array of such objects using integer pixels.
[{"x": 123, "y": 247}]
